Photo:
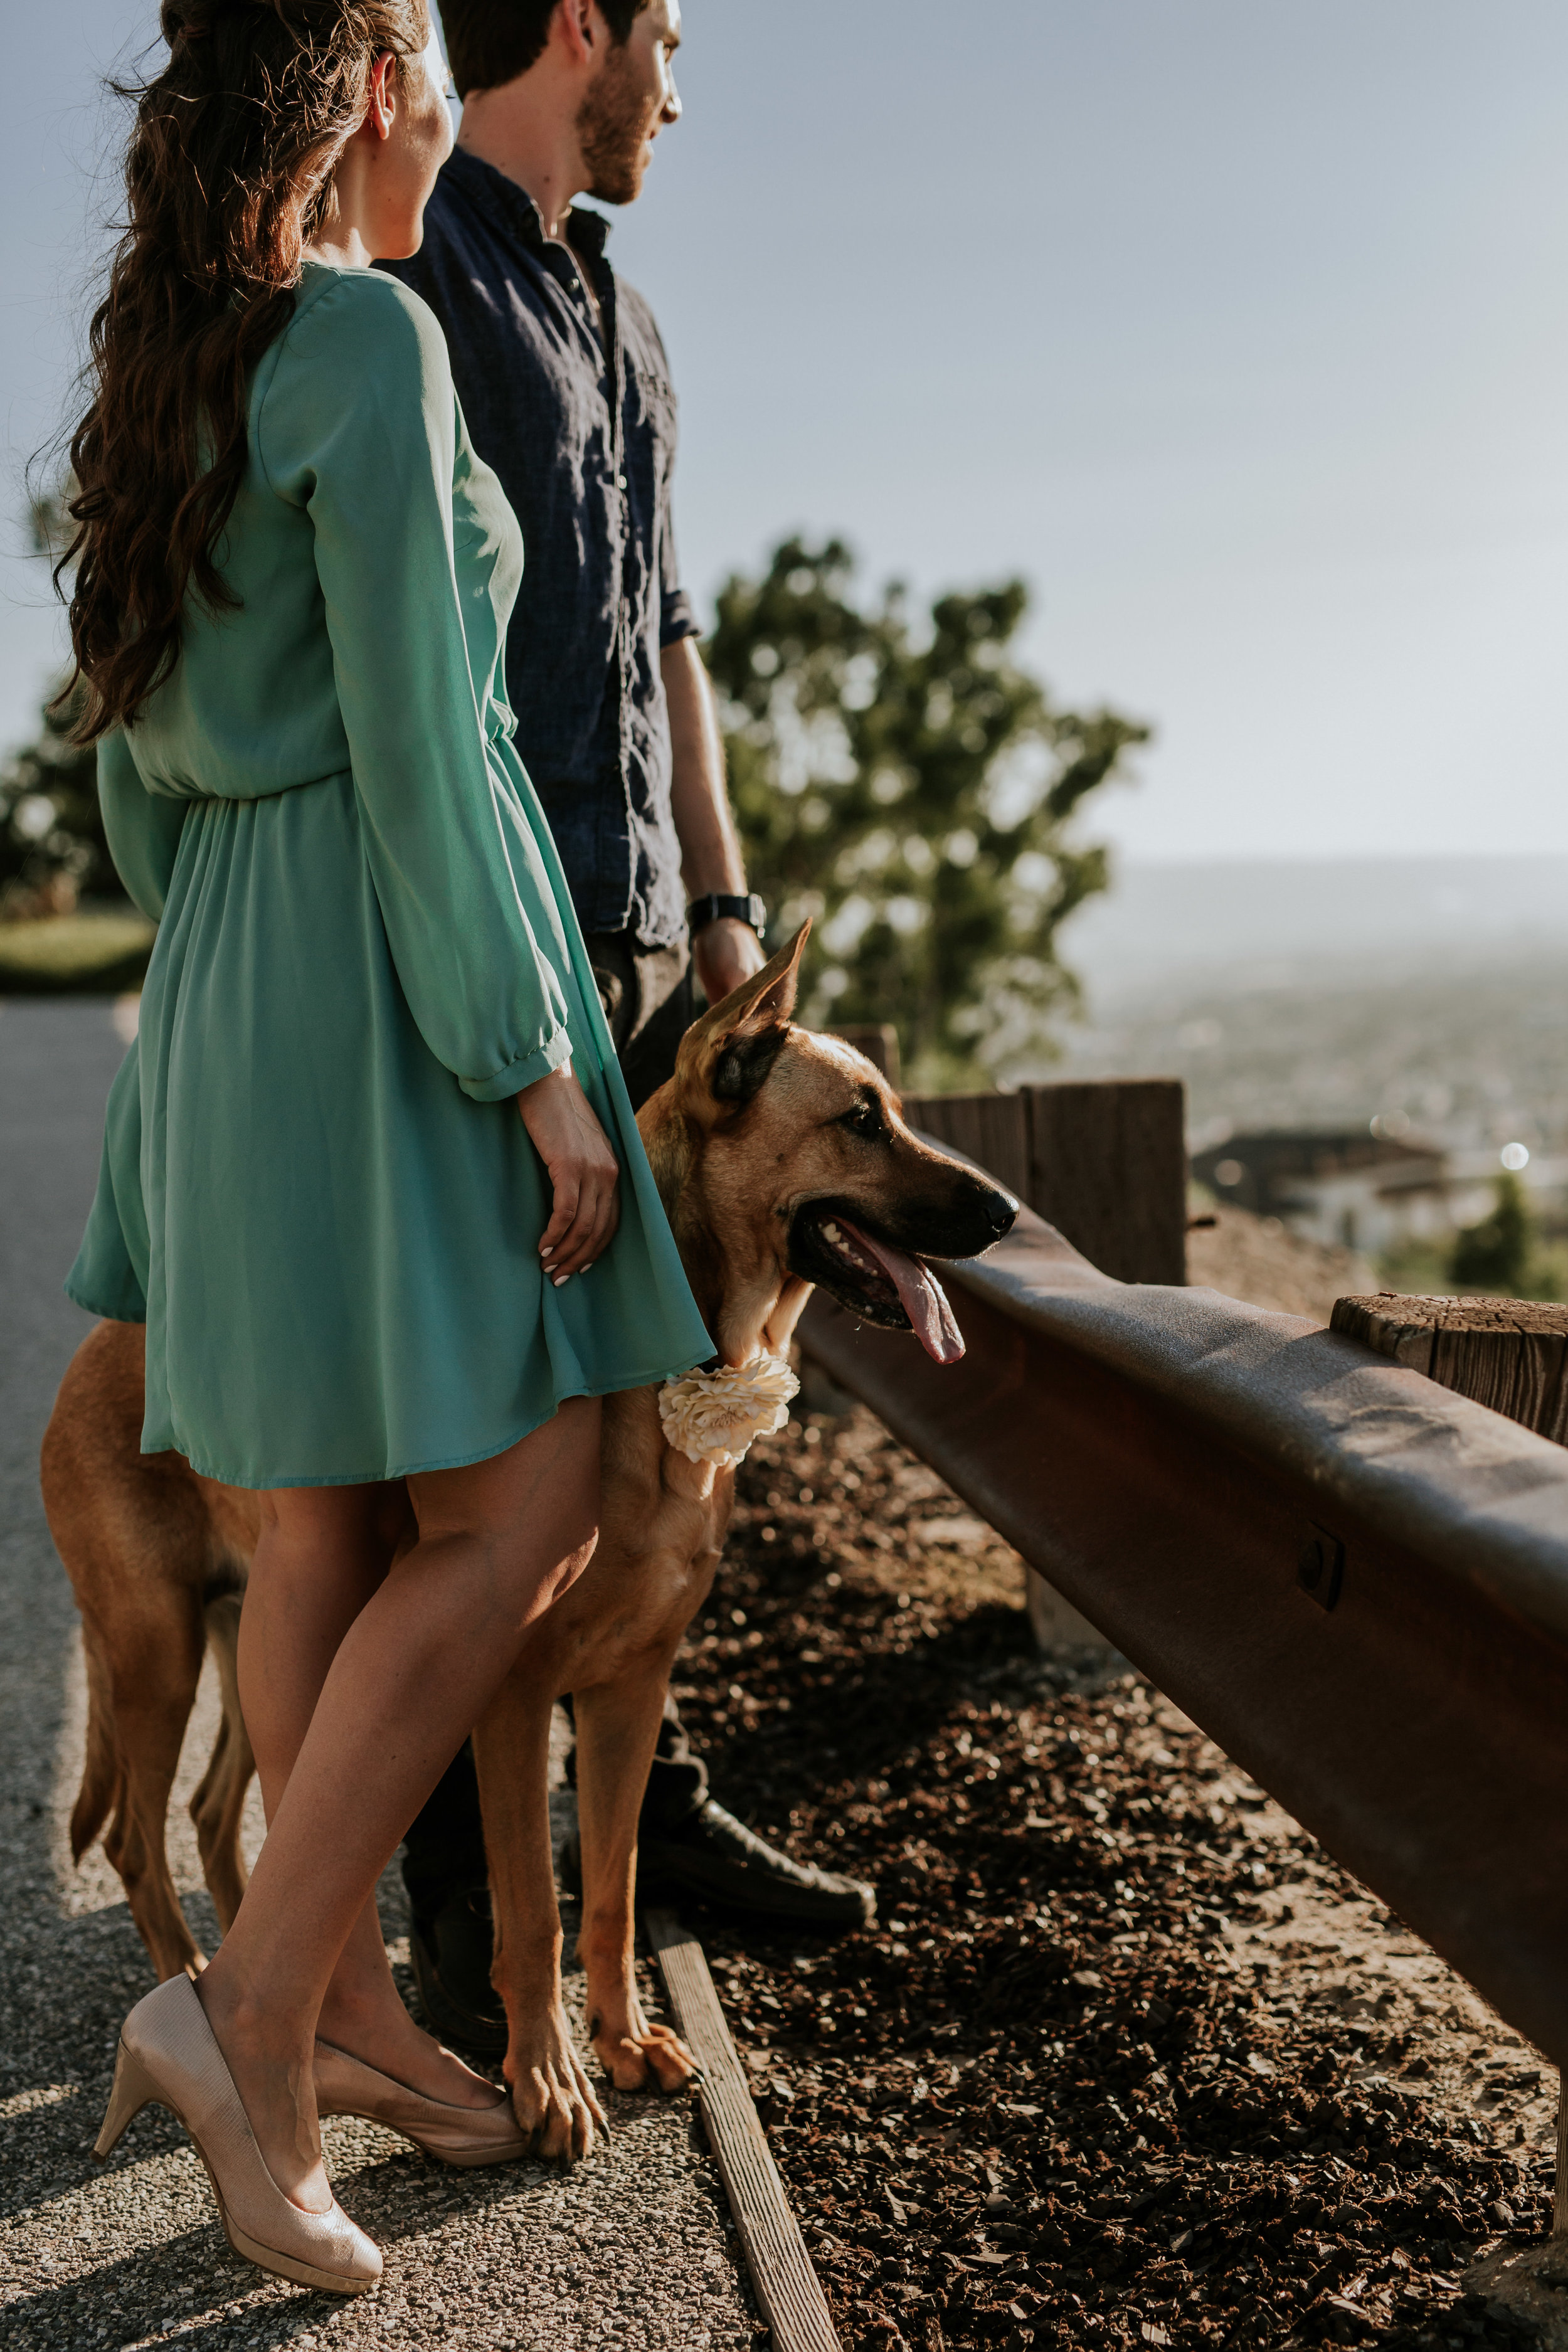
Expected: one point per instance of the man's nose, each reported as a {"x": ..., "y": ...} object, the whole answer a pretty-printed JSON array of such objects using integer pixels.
[{"x": 670, "y": 110}]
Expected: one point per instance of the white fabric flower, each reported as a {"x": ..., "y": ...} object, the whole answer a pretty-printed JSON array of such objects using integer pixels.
[{"x": 715, "y": 1416}]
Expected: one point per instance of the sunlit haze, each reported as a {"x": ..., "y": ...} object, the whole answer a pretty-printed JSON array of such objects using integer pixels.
[{"x": 1240, "y": 333}]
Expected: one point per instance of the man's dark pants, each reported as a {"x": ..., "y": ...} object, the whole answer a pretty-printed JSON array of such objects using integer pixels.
[{"x": 649, "y": 1004}]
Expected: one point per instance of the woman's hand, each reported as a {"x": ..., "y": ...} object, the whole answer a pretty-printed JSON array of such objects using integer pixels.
[{"x": 581, "y": 1167}]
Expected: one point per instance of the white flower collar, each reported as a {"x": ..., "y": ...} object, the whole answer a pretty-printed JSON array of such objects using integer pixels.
[{"x": 716, "y": 1416}]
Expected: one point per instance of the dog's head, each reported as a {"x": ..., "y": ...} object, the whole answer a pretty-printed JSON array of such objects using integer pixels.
[{"x": 785, "y": 1162}]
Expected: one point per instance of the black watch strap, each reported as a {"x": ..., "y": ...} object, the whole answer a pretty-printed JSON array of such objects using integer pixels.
[{"x": 703, "y": 911}]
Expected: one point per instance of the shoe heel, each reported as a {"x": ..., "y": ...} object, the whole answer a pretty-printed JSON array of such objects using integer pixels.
[{"x": 134, "y": 2090}]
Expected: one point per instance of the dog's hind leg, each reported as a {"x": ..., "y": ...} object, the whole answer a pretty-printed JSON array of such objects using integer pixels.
[
  {"x": 157, "y": 1661},
  {"x": 549, "y": 2090},
  {"x": 103, "y": 1775},
  {"x": 617, "y": 1729},
  {"x": 135, "y": 1538},
  {"x": 217, "y": 1808}
]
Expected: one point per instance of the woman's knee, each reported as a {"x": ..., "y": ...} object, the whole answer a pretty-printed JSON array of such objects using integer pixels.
[{"x": 327, "y": 1533}]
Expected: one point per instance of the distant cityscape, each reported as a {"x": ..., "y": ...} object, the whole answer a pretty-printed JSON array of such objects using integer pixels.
[{"x": 1366, "y": 1047}]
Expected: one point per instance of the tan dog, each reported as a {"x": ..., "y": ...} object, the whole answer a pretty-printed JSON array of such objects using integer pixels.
[{"x": 782, "y": 1162}]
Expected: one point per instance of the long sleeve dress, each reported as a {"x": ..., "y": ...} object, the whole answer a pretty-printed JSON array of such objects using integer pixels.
[{"x": 316, "y": 1189}]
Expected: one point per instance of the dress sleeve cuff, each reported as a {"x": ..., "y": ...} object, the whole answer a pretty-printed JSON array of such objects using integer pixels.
[
  {"x": 676, "y": 619},
  {"x": 550, "y": 1056}
]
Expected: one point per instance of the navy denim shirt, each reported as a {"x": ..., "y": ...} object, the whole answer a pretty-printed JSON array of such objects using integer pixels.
[{"x": 584, "y": 446}]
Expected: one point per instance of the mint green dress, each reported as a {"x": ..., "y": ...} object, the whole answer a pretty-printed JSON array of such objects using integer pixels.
[{"x": 316, "y": 1189}]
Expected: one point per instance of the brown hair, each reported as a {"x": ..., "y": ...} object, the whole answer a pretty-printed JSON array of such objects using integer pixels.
[
  {"x": 228, "y": 168},
  {"x": 489, "y": 42}
]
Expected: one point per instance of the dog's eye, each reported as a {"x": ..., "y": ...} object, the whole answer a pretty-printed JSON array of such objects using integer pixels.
[{"x": 866, "y": 1118}]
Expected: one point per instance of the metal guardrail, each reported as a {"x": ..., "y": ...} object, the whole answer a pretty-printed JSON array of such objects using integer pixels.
[{"x": 1354, "y": 1581}]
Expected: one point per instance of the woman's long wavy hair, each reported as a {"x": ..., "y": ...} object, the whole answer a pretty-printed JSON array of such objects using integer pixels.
[{"x": 228, "y": 174}]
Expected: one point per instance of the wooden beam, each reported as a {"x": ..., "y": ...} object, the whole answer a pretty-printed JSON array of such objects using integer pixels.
[
  {"x": 787, "y": 2286},
  {"x": 1508, "y": 1353}
]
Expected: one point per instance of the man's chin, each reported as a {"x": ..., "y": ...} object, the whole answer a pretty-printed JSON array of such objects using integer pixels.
[
  {"x": 619, "y": 177},
  {"x": 623, "y": 184}
]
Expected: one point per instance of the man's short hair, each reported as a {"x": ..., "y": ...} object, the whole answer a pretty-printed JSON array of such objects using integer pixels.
[{"x": 492, "y": 41}]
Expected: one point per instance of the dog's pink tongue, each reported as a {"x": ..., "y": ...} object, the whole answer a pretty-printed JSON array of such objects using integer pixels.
[{"x": 923, "y": 1298}]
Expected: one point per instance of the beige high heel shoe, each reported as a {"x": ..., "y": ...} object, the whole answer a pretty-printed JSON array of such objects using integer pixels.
[
  {"x": 345, "y": 2085},
  {"x": 169, "y": 2053}
]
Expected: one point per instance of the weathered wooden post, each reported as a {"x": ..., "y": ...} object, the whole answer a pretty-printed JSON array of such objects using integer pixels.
[
  {"x": 1103, "y": 1159},
  {"x": 1508, "y": 1353},
  {"x": 1107, "y": 1166}
]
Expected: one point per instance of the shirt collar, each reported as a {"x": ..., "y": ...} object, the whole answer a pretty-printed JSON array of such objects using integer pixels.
[{"x": 504, "y": 201}]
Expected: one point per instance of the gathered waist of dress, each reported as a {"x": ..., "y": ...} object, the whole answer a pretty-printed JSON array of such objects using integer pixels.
[{"x": 194, "y": 796}]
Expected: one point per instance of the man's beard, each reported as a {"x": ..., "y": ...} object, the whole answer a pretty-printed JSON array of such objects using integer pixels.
[{"x": 612, "y": 129}]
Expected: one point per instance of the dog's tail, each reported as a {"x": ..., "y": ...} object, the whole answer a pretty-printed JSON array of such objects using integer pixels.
[{"x": 101, "y": 1775}]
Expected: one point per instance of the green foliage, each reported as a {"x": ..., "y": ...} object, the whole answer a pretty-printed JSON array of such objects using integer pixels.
[
  {"x": 1500, "y": 1258},
  {"x": 52, "y": 848},
  {"x": 914, "y": 792}
]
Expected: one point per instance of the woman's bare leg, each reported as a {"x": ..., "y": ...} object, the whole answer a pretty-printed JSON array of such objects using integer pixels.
[
  {"x": 420, "y": 1661},
  {"x": 319, "y": 1562}
]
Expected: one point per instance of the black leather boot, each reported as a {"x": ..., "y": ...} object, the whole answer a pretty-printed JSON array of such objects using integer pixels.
[
  {"x": 450, "y": 1951},
  {"x": 712, "y": 1855}
]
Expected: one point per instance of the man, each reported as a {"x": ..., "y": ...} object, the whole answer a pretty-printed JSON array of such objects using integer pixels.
[{"x": 565, "y": 389}]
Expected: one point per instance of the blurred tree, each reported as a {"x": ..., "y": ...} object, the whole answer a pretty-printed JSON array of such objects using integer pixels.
[
  {"x": 52, "y": 849},
  {"x": 1494, "y": 1259},
  {"x": 913, "y": 790}
]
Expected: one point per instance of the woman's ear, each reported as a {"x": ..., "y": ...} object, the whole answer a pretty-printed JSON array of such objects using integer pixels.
[{"x": 380, "y": 112}]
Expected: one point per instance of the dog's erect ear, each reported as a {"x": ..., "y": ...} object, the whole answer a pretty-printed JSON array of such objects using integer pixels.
[{"x": 728, "y": 1053}]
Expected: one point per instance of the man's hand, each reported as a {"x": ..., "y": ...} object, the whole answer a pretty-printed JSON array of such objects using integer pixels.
[{"x": 723, "y": 955}]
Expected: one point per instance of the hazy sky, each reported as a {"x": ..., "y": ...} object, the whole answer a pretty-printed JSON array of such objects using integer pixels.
[{"x": 1241, "y": 330}]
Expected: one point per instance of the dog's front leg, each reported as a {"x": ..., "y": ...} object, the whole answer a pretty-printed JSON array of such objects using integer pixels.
[
  {"x": 617, "y": 1731},
  {"x": 549, "y": 2090}
]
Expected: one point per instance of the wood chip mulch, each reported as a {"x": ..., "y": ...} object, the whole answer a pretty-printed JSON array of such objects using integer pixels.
[{"x": 1126, "y": 2059}]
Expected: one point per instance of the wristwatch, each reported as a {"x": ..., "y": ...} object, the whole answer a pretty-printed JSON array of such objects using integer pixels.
[{"x": 703, "y": 911}]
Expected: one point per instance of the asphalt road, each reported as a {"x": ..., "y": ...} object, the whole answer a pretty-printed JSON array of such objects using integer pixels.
[{"x": 633, "y": 2250}]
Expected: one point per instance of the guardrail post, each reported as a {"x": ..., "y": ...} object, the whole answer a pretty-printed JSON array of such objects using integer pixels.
[
  {"x": 1103, "y": 1159},
  {"x": 1511, "y": 1354},
  {"x": 1107, "y": 1166}
]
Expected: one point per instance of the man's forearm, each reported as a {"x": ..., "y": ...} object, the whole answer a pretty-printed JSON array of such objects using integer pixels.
[
  {"x": 709, "y": 847},
  {"x": 727, "y": 952}
]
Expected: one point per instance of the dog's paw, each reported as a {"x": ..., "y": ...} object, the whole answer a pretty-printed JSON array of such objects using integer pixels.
[
  {"x": 554, "y": 2100},
  {"x": 642, "y": 2054}
]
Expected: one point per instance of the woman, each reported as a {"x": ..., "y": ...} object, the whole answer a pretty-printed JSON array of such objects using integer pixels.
[{"x": 375, "y": 1105}]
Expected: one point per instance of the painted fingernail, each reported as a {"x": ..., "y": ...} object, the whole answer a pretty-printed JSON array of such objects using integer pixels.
[
  {"x": 559, "y": 1278},
  {"x": 546, "y": 1255}
]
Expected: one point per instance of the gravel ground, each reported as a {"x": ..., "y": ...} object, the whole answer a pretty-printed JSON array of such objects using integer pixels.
[
  {"x": 633, "y": 2250},
  {"x": 1127, "y": 2059}
]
